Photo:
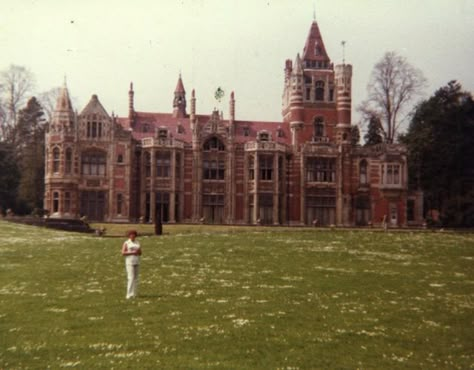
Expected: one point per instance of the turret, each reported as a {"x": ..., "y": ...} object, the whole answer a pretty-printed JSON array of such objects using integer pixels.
[
  {"x": 296, "y": 100},
  {"x": 231, "y": 113},
  {"x": 179, "y": 101},
  {"x": 63, "y": 115},
  {"x": 131, "y": 110},
  {"x": 343, "y": 102}
]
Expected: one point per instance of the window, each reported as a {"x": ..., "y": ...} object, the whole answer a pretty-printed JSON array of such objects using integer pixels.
[
  {"x": 279, "y": 132},
  {"x": 251, "y": 168},
  {"x": 162, "y": 133},
  {"x": 307, "y": 79},
  {"x": 213, "y": 144},
  {"x": 146, "y": 127},
  {"x": 163, "y": 160},
  {"x": 318, "y": 127},
  {"x": 391, "y": 174},
  {"x": 94, "y": 129},
  {"x": 67, "y": 201},
  {"x": 319, "y": 91},
  {"x": 56, "y": 160},
  {"x": 178, "y": 166},
  {"x": 68, "y": 160},
  {"x": 120, "y": 158},
  {"x": 331, "y": 94},
  {"x": 363, "y": 172},
  {"x": 93, "y": 164},
  {"x": 119, "y": 204},
  {"x": 246, "y": 131},
  {"x": 265, "y": 163},
  {"x": 55, "y": 202},
  {"x": 213, "y": 169},
  {"x": 147, "y": 164},
  {"x": 321, "y": 169},
  {"x": 308, "y": 93},
  {"x": 180, "y": 129},
  {"x": 265, "y": 205},
  {"x": 263, "y": 136},
  {"x": 410, "y": 210}
]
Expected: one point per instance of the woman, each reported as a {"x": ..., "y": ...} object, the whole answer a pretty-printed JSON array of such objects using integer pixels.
[{"x": 132, "y": 252}]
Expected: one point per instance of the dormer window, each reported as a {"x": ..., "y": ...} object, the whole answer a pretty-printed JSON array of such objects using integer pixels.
[
  {"x": 180, "y": 129},
  {"x": 162, "y": 133},
  {"x": 279, "y": 132},
  {"x": 263, "y": 136},
  {"x": 146, "y": 127},
  {"x": 246, "y": 131}
]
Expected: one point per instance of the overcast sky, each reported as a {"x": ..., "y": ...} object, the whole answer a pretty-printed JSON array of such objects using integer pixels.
[{"x": 237, "y": 45}]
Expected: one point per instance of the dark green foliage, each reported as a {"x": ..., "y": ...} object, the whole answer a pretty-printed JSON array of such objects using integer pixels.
[
  {"x": 9, "y": 177},
  {"x": 374, "y": 133},
  {"x": 440, "y": 141},
  {"x": 29, "y": 140},
  {"x": 355, "y": 135}
]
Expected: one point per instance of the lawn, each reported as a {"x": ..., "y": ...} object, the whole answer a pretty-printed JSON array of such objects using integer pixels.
[{"x": 237, "y": 298}]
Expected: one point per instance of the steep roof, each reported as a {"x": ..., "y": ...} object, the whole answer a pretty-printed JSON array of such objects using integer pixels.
[
  {"x": 314, "y": 48},
  {"x": 179, "y": 86},
  {"x": 64, "y": 102},
  {"x": 94, "y": 106}
]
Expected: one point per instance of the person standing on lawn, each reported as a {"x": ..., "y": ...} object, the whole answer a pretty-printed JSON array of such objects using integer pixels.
[{"x": 131, "y": 251}]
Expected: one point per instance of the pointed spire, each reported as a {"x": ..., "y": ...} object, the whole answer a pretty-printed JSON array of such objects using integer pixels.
[
  {"x": 179, "y": 85},
  {"x": 297, "y": 66},
  {"x": 314, "y": 49},
  {"x": 64, "y": 102}
]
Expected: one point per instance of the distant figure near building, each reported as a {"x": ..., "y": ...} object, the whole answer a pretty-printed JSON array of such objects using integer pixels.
[
  {"x": 131, "y": 250},
  {"x": 207, "y": 168}
]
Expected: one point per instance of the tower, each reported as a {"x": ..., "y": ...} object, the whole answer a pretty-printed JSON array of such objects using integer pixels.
[
  {"x": 343, "y": 101},
  {"x": 179, "y": 101}
]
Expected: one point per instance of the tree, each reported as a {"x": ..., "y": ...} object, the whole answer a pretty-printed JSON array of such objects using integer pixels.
[
  {"x": 355, "y": 135},
  {"x": 374, "y": 132},
  {"x": 393, "y": 84},
  {"x": 16, "y": 83},
  {"x": 9, "y": 177},
  {"x": 29, "y": 141},
  {"x": 48, "y": 101},
  {"x": 440, "y": 142}
]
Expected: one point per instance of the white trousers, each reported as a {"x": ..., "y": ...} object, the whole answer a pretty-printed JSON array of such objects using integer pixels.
[{"x": 132, "y": 280}]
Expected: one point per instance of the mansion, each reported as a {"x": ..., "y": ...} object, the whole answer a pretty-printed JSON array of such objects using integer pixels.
[{"x": 185, "y": 167}]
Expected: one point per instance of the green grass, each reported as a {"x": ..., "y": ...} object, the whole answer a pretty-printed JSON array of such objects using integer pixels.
[{"x": 237, "y": 298}]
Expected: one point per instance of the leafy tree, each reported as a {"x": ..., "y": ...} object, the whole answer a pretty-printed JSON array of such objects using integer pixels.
[
  {"x": 440, "y": 141},
  {"x": 29, "y": 141},
  {"x": 374, "y": 133},
  {"x": 393, "y": 84}
]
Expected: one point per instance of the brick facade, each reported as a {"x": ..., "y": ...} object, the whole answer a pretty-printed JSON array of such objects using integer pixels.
[{"x": 188, "y": 167}]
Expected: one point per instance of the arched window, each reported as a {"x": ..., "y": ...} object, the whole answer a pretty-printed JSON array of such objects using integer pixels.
[
  {"x": 120, "y": 158},
  {"x": 93, "y": 163},
  {"x": 263, "y": 136},
  {"x": 68, "y": 160},
  {"x": 318, "y": 127},
  {"x": 213, "y": 144},
  {"x": 319, "y": 90},
  {"x": 56, "y": 160},
  {"x": 119, "y": 203},
  {"x": 363, "y": 172},
  {"x": 147, "y": 164}
]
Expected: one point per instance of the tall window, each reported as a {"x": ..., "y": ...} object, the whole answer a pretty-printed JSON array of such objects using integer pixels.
[
  {"x": 67, "y": 201},
  {"x": 363, "y": 172},
  {"x": 94, "y": 129},
  {"x": 55, "y": 202},
  {"x": 68, "y": 160},
  {"x": 147, "y": 164},
  {"x": 119, "y": 203},
  {"x": 265, "y": 163},
  {"x": 319, "y": 90},
  {"x": 251, "y": 168},
  {"x": 56, "y": 160},
  {"x": 178, "y": 166},
  {"x": 214, "y": 144},
  {"x": 318, "y": 127},
  {"x": 93, "y": 164},
  {"x": 163, "y": 160},
  {"x": 320, "y": 169},
  {"x": 213, "y": 169}
]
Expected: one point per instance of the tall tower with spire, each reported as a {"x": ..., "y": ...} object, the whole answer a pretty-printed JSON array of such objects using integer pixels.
[{"x": 179, "y": 100}]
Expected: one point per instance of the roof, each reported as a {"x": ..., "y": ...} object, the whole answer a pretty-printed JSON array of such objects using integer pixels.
[{"x": 315, "y": 41}]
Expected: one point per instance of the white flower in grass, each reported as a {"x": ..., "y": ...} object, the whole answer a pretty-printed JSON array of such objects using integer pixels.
[
  {"x": 56, "y": 310},
  {"x": 240, "y": 322},
  {"x": 70, "y": 364}
]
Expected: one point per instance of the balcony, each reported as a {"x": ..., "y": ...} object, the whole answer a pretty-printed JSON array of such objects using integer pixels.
[
  {"x": 264, "y": 145},
  {"x": 151, "y": 142}
]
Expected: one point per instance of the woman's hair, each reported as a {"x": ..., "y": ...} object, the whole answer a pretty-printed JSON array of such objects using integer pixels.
[{"x": 130, "y": 232}]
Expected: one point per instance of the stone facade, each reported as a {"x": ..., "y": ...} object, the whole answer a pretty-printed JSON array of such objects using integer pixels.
[{"x": 187, "y": 167}]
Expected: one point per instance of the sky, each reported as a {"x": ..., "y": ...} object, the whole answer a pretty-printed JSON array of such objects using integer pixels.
[{"x": 239, "y": 45}]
